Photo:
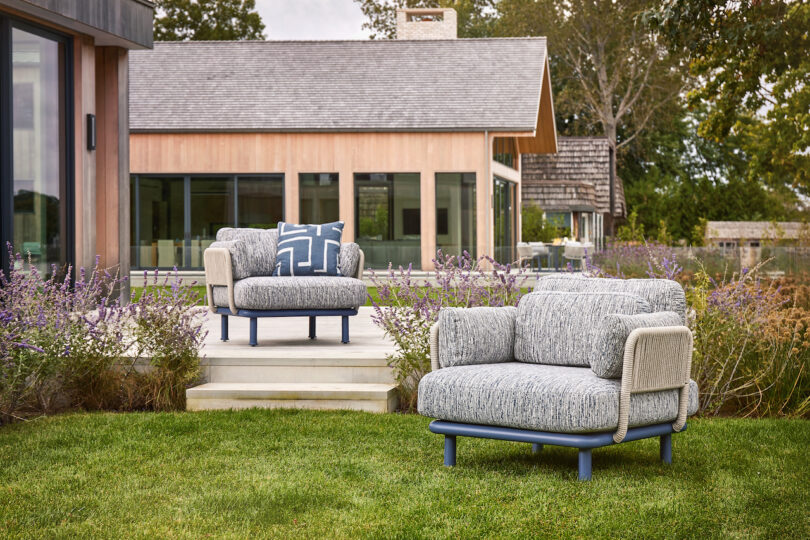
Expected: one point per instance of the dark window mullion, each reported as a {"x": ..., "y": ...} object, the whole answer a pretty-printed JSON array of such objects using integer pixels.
[{"x": 6, "y": 138}]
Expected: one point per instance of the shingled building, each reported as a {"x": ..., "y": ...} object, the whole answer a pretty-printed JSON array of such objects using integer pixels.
[
  {"x": 414, "y": 143},
  {"x": 576, "y": 186}
]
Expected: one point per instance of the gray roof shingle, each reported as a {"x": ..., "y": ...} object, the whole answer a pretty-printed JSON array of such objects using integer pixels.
[{"x": 442, "y": 85}]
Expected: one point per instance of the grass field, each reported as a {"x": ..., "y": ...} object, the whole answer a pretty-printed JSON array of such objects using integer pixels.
[{"x": 344, "y": 474}]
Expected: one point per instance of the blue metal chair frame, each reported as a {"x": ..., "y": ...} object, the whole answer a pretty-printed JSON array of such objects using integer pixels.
[
  {"x": 311, "y": 313},
  {"x": 584, "y": 442}
]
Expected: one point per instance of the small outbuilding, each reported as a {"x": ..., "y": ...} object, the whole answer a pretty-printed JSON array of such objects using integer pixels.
[{"x": 734, "y": 234}]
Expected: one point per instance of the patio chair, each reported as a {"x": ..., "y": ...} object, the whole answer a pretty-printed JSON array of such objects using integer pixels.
[
  {"x": 581, "y": 362},
  {"x": 575, "y": 251},
  {"x": 524, "y": 252},
  {"x": 539, "y": 249}
]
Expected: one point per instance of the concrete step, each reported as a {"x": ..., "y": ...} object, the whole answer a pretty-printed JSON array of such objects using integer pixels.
[
  {"x": 297, "y": 370},
  {"x": 243, "y": 395}
]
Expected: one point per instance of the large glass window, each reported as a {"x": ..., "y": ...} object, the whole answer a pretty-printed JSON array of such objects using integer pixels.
[
  {"x": 175, "y": 218},
  {"x": 504, "y": 151},
  {"x": 319, "y": 198},
  {"x": 388, "y": 218},
  {"x": 455, "y": 213},
  {"x": 261, "y": 201},
  {"x": 36, "y": 181},
  {"x": 505, "y": 222}
]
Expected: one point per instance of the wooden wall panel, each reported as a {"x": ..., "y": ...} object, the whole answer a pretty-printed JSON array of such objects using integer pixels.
[{"x": 343, "y": 153}]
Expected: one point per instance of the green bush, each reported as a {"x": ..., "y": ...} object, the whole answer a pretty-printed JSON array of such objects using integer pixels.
[{"x": 536, "y": 228}]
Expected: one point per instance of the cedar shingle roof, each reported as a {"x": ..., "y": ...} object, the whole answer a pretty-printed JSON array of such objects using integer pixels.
[
  {"x": 394, "y": 85},
  {"x": 577, "y": 176}
]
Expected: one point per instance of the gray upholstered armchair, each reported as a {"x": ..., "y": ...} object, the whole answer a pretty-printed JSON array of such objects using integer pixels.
[
  {"x": 239, "y": 282},
  {"x": 581, "y": 362}
]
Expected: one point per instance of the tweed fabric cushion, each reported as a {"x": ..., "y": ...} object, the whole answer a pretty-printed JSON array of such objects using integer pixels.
[
  {"x": 348, "y": 259},
  {"x": 544, "y": 398},
  {"x": 662, "y": 294},
  {"x": 560, "y": 328},
  {"x": 479, "y": 335},
  {"x": 256, "y": 256},
  {"x": 307, "y": 292},
  {"x": 607, "y": 359},
  {"x": 308, "y": 250}
]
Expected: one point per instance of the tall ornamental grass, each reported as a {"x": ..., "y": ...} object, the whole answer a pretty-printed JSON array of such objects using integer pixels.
[
  {"x": 752, "y": 334},
  {"x": 407, "y": 307},
  {"x": 66, "y": 344}
]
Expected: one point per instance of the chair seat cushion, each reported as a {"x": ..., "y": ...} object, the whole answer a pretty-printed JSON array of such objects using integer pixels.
[
  {"x": 308, "y": 292},
  {"x": 560, "y": 399}
]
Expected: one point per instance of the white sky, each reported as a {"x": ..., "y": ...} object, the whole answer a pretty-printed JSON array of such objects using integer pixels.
[{"x": 311, "y": 19}]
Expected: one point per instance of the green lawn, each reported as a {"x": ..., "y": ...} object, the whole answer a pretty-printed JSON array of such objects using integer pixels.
[{"x": 344, "y": 474}]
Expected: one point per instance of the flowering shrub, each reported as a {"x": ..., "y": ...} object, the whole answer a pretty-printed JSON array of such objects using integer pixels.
[
  {"x": 407, "y": 307},
  {"x": 752, "y": 338},
  {"x": 64, "y": 345}
]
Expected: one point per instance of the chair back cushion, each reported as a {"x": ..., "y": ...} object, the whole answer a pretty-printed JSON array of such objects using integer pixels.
[
  {"x": 308, "y": 250},
  {"x": 348, "y": 259},
  {"x": 607, "y": 358},
  {"x": 662, "y": 294},
  {"x": 479, "y": 335},
  {"x": 559, "y": 328},
  {"x": 253, "y": 251}
]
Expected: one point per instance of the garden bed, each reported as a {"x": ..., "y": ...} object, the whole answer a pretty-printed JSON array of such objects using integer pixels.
[{"x": 343, "y": 474}]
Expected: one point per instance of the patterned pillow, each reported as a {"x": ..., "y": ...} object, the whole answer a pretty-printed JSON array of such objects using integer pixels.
[
  {"x": 607, "y": 360},
  {"x": 308, "y": 250}
]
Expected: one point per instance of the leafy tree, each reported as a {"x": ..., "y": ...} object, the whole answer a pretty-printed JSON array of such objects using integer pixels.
[
  {"x": 207, "y": 20},
  {"x": 536, "y": 228},
  {"x": 475, "y": 17},
  {"x": 751, "y": 58}
]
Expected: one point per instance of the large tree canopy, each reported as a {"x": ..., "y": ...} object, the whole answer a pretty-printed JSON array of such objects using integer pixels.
[
  {"x": 207, "y": 20},
  {"x": 752, "y": 60}
]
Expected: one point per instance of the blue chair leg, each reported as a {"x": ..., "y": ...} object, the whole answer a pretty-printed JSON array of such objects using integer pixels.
[
  {"x": 537, "y": 448},
  {"x": 345, "y": 337},
  {"x": 449, "y": 450},
  {"x": 312, "y": 328},
  {"x": 584, "y": 463},
  {"x": 666, "y": 448},
  {"x": 224, "y": 321},
  {"x": 253, "y": 331}
]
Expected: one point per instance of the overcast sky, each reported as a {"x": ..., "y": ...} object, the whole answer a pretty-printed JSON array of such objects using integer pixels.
[{"x": 311, "y": 19}]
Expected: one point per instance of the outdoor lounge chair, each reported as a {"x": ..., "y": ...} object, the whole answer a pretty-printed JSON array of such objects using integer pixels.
[
  {"x": 239, "y": 282},
  {"x": 581, "y": 362}
]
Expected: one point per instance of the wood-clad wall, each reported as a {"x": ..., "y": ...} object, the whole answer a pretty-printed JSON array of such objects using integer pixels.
[{"x": 342, "y": 153}]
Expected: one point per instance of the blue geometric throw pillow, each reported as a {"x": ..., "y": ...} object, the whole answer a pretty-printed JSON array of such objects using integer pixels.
[{"x": 308, "y": 250}]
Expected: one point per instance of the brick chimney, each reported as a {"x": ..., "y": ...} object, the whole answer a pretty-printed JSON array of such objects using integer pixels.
[{"x": 427, "y": 23}]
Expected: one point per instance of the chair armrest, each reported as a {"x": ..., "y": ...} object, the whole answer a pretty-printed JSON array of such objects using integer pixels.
[
  {"x": 434, "y": 347},
  {"x": 361, "y": 262},
  {"x": 655, "y": 359},
  {"x": 218, "y": 271}
]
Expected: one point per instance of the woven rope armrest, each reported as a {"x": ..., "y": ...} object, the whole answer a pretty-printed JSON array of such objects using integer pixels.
[
  {"x": 218, "y": 271},
  {"x": 655, "y": 359},
  {"x": 361, "y": 262},
  {"x": 434, "y": 347}
]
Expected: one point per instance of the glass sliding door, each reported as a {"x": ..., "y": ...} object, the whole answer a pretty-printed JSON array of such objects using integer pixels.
[
  {"x": 159, "y": 223},
  {"x": 505, "y": 220},
  {"x": 175, "y": 218},
  {"x": 212, "y": 207},
  {"x": 261, "y": 201},
  {"x": 388, "y": 218},
  {"x": 319, "y": 198},
  {"x": 35, "y": 173},
  {"x": 455, "y": 213}
]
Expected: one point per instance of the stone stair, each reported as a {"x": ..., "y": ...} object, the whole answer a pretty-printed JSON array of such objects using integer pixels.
[{"x": 288, "y": 370}]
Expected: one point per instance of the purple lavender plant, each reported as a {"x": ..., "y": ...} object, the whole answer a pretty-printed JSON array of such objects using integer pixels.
[{"x": 408, "y": 307}]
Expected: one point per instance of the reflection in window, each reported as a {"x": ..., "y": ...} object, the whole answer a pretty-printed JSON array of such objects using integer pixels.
[
  {"x": 39, "y": 226},
  {"x": 167, "y": 231},
  {"x": 319, "y": 198},
  {"x": 261, "y": 201},
  {"x": 505, "y": 220},
  {"x": 504, "y": 151},
  {"x": 455, "y": 213},
  {"x": 388, "y": 218}
]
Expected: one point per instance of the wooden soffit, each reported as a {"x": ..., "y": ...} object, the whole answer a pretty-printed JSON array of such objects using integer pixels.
[{"x": 544, "y": 139}]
